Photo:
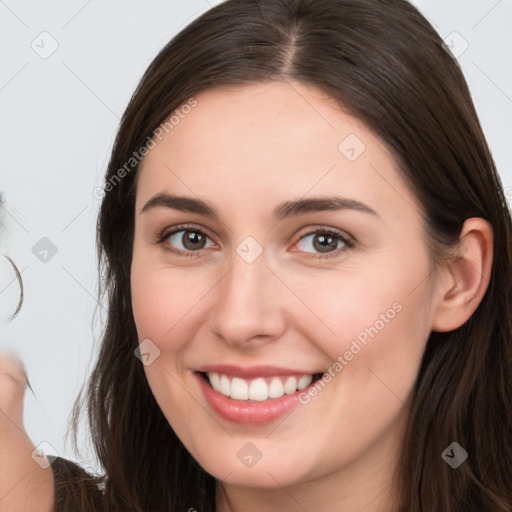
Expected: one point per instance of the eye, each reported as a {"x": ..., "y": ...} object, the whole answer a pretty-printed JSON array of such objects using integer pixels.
[
  {"x": 188, "y": 240},
  {"x": 326, "y": 241},
  {"x": 184, "y": 240}
]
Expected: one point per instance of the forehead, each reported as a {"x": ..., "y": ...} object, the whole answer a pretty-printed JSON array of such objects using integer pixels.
[
  {"x": 266, "y": 140},
  {"x": 272, "y": 117}
]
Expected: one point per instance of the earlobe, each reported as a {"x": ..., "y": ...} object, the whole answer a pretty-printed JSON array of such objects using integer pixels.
[{"x": 466, "y": 278}]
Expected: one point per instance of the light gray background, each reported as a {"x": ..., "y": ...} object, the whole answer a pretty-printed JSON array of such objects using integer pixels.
[{"x": 59, "y": 115}]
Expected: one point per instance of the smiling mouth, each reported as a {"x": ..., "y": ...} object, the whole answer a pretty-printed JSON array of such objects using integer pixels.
[{"x": 259, "y": 389}]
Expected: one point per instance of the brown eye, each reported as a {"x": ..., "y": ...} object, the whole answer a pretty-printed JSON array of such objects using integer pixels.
[
  {"x": 185, "y": 240},
  {"x": 324, "y": 241},
  {"x": 190, "y": 240}
]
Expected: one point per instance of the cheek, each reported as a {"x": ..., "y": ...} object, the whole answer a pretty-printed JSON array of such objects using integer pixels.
[
  {"x": 336, "y": 307},
  {"x": 163, "y": 306},
  {"x": 161, "y": 298},
  {"x": 353, "y": 304},
  {"x": 373, "y": 325}
]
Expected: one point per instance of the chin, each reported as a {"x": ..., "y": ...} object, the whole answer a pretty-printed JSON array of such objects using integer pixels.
[{"x": 272, "y": 473}]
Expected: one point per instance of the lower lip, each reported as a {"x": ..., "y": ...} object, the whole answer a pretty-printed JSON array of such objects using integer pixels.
[{"x": 252, "y": 413}]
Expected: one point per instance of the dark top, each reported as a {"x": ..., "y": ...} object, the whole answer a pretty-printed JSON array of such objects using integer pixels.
[{"x": 74, "y": 489}]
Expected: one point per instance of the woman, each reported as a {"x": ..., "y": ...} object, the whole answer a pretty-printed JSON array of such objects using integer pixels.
[{"x": 306, "y": 252}]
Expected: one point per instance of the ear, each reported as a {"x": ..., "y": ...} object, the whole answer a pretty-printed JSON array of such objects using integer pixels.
[{"x": 464, "y": 282}]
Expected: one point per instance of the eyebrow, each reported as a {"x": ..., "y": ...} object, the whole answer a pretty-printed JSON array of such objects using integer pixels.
[{"x": 284, "y": 210}]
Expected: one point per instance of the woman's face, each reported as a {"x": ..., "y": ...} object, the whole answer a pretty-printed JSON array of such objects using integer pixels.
[{"x": 262, "y": 289}]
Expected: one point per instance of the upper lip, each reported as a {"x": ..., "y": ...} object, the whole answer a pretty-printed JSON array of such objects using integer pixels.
[{"x": 250, "y": 372}]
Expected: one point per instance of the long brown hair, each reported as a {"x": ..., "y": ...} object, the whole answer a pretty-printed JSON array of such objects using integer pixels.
[{"x": 384, "y": 64}]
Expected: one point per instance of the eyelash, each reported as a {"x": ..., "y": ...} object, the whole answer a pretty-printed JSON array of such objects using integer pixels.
[{"x": 165, "y": 234}]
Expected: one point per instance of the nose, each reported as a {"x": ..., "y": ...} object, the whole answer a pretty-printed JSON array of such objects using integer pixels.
[{"x": 248, "y": 309}]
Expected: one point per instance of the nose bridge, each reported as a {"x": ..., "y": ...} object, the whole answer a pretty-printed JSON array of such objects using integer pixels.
[{"x": 246, "y": 303}]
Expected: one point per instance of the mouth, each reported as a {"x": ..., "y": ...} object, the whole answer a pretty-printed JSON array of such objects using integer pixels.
[{"x": 259, "y": 389}]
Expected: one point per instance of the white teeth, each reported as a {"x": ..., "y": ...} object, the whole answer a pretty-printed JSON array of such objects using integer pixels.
[
  {"x": 276, "y": 389},
  {"x": 304, "y": 381},
  {"x": 259, "y": 389},
  {"x": 239, "y": 389},
  {"x": 214, "y": 380},
  {"x": 290, "y": 386},
  {"x": 225, "y": 386}
]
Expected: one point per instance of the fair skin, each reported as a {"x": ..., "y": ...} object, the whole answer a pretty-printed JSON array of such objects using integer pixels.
[
  {"x": 24, "y": 485},
  {"x": 245, "y": 150}
]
